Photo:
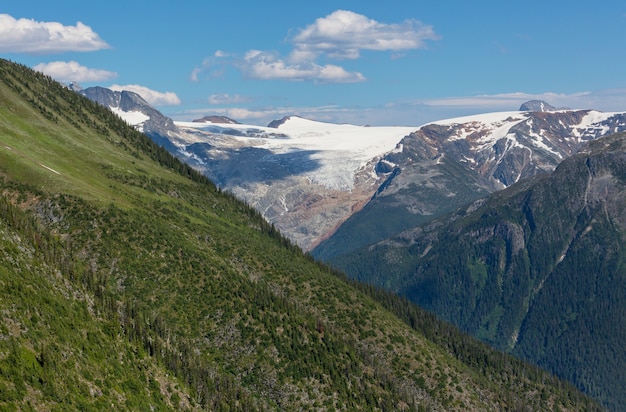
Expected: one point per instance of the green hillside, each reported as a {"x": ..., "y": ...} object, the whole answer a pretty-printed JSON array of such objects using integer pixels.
[
  {"x": 538, "y": 270},
  {"x": 129, "y": 282}
]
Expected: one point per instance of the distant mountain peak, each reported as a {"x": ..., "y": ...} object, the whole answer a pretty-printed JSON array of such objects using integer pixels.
[
  {"x": 537, "y": 106},
  {"x": 216, "y": 119},
  {"x": 276, "y": 123}
]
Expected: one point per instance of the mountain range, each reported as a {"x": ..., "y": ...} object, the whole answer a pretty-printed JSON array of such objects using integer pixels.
[
  {"x": 447, "y": 164},
  {"x": 130, "y": 281},
  {"x": 334, "y": 189}
]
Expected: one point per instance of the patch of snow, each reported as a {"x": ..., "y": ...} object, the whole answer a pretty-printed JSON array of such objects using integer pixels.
[
  {"x": 387, "y": 162},
  {"x": 283, "y": 202},
  {"x": 487, "y": 118},
  {"x": 539, "y": 142},
  {"x": 497, "y": 126},
  {"x": 132, "y": 118},
  {"x": 511, "y": 142},
  {"x": 591, "y": 121}
]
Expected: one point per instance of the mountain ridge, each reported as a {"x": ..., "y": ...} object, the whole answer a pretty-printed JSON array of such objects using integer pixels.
[
  {"x": 304, "y": 176},
  {"x": 128, "y": 104}
]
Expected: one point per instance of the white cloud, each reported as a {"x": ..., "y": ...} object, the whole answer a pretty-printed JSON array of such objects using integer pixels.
[
  {"x": 511, "y": 101},
  {"x": 151, "y": 96},
  {"x": 268, "y": 66},
  {"x": 247, "y": 114},
  {"x": 30, "y": 36},
  {"x": 343, "y": 34},
  {"x": 194, "y": 74},
  {"x": 224, "y": 98},
  {"x": 340, "y": 35},
  {"x": 73, "y": 71},
  {"x": 607, "y": 100}
]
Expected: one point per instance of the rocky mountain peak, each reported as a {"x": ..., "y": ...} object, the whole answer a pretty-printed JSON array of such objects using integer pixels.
[
  {"x": 126, "y": 101},
  {"x": 216, "y": 119},
  {"x": 536, "y": 106}
]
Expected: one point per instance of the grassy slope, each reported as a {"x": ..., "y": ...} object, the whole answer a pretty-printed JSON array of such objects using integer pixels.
[{"x": 130, "y": 284}]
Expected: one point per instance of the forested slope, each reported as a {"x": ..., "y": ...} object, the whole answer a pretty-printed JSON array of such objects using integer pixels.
[
  {"x": 537, "y": 270},
  {"x": 128, "y": 281}
]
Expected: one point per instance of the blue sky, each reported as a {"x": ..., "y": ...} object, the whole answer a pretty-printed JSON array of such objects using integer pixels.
[{"x": 363, "y": 62}]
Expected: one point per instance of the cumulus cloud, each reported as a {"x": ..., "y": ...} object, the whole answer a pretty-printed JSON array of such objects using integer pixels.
[
  {"x": 343, "y": 34},
  {"x": 340, "y": 35},
  {"x": 73, "y": 71},
  {"x": 225, "y": 98},
  {"x": 269, "y": 66},
  {"x": 153, "y": 97},
  {"x": 35, "y": 37}
]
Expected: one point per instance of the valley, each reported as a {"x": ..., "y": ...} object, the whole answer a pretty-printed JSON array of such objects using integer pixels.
[
  {"x": 130, "y": 281},
  {"x": 335, "y": 189}
]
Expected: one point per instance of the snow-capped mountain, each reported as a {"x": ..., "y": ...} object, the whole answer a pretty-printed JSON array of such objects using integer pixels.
[
  {"x": 306, "y": 177},
  {"x": 449, "y": 163},
  {"x": 335, "y": 187},
  {"x": 133, "y": 109},
  {"x": 508, "y": 146}
]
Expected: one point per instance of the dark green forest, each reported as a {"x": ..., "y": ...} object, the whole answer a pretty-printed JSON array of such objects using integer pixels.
[{"x": 538, "y": 270}]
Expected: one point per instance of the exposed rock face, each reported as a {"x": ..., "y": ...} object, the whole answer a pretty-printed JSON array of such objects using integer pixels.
[
  {"x": 536, "y": 106},
  {"x": 155, "y": 125},
  {"x": 276, "y": 123},
  {"x": 445, "y": 165}
]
